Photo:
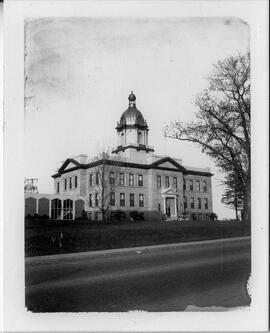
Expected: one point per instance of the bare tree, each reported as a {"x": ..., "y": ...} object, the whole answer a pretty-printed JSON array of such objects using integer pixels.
[
  {"x": 106, "y": 181},
  {"x": 222, "y": 129}
]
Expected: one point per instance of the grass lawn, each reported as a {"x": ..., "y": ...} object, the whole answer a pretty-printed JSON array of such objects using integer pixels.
[{"x": 46, "y": 238}]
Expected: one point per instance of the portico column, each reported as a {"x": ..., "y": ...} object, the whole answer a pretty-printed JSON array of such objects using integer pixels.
[
  {"x": 175, "y": 205},
  {"x": 164, "y": 204}
]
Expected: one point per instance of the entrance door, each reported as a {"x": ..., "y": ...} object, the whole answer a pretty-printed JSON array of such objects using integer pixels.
[{"x": 170, "y": 207}]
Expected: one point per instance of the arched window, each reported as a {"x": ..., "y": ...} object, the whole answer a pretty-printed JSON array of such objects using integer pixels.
[
  {"x": 140, "y": 137},
  {"x": 68, "y": 209},
  {"x": 56, "y": 209}
]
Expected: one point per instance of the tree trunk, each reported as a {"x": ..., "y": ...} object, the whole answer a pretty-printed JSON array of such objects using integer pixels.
[
  {"x": 103, "y": 216},
  {"x": 247, "y": 202}
]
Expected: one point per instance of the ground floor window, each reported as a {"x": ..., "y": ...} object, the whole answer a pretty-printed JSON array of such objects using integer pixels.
[
  {"x": 56, "y": 208},
  {"x": 141, "y": 200},
  {"x": 68, "y": 209},
  {"x": 122, "y": 199},
  {"x": 131, "y": 199},
  {"x": 112, "y": 199}
]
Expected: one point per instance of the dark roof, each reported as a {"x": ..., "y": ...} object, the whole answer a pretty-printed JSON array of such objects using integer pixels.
[
  {"x": 132, "y": 116},
  {"x": 154, "y": 165}
]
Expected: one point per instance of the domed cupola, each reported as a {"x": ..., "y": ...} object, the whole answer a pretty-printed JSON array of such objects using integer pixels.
[
  {"x": 132, "y": 116},
  {"x": 132, "y": 128}
]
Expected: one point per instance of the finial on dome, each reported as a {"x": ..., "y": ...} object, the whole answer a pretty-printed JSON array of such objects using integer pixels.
[{"x": 132, "y": 99}]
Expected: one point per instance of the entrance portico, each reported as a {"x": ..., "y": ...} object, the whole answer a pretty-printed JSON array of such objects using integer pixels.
[{"x": 169, "y": 197}]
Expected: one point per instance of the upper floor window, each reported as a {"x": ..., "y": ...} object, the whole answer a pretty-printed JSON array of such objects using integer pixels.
[
  {"x": 191, "y": 185},
  {"x": 199, "y": 203},
  {"x": 140, "y": 180},
  {"x": 192, "y": 203},
  {"x": 70, "y": 183},
  {"x": 112, "y": 199},
  {"x": 91, "y": 179},
  {"x": 158, "y": 181},
  {"x": 65, "y": 184},
  {"x": 198, "y": 188},
  {"x": 76, "y": 182},
  {"x": 122, "y": 199},
  {"x": 175, "y": 182},
  {"x": 57, "y": 187},
  {"x": 185, "y": 202},
  {"x": 96, "y": 199},
  {"x": 97, "y": 178},
  {"x": 131, "y": 179},
  {"x": 122, "y": 179},
  {"x": 184, "y": 185},
  {"x": 204, "y": 186},
  {"x": 141, "y": 200},
  {"x": 112, "y": 178},
  {"x": 90, "y": 200},
  {"x": 167, "y": 181},
  {"x": 131, "y": 199},
  {"x": 205, "y": 203}
]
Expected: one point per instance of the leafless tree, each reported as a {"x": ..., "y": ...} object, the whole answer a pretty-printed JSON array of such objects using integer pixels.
[
  {"x": 106, "y": 181},
  {"x": 222, "y": 129}
]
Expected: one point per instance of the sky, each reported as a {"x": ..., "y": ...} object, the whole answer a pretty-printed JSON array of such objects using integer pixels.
[{"x": 80, "y": 71}]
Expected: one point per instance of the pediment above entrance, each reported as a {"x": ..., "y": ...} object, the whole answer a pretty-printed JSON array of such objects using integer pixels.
[{"x": 168, "y": 191}]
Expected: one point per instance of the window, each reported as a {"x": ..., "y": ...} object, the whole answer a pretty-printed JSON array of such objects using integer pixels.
[
  {"x": 65, "y": 186},
  {"x": 204, "y": 186},
  {"x": 131, "y": 199},
  {"x": 174, "y": 182},
  {"x": 122, "y": 199},
  {"x": 141, "y": 201},
  {"x": 159, "y": 207},
  {"x": 158, "y": 181},
  {"x": 70, "y": 183},
  {"x": 205, "y": 203},
  {"x": 185, "y": 202},
  {"x": 90, "y": 200},
  {"x": 167, "y": 181},
  {"x": 191, "y": 185},
  {"x": 184, "y": 185},
  {"x": 199, "y": 203},
  {"x": 91, "y": 179},
  {"x": 192, "y": 203},
  {"x": 57, "y": 187},
  {"x": 97, "y": 178},
  {"x": 68, "y": 209},
  {"x": 122, "y": 179},
  {"x": 140, "y": 180},
  {"x": 131, "y": 179},
  {"x": 140, "y": 138},
  {"x": 198, "y": 188},
  {"x": 96, "y": 216},
  {"x": 112, "y": 199},
  {"x": 76, "y": 182},
  {"x": 112, "y": 178},
  {"x": 96, "y": 199}
]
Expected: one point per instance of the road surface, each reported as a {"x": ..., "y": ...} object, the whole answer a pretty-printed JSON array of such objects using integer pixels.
[{"x": 171, "y": 277}]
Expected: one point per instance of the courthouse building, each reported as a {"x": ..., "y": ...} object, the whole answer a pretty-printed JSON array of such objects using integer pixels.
[{"x": 135, "y": 180}]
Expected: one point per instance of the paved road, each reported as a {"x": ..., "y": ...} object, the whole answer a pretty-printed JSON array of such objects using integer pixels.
[{"x": 156, "y": 278}]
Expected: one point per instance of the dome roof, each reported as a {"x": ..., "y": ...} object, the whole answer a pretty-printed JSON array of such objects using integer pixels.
[{"x": 132, "y": 116}]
